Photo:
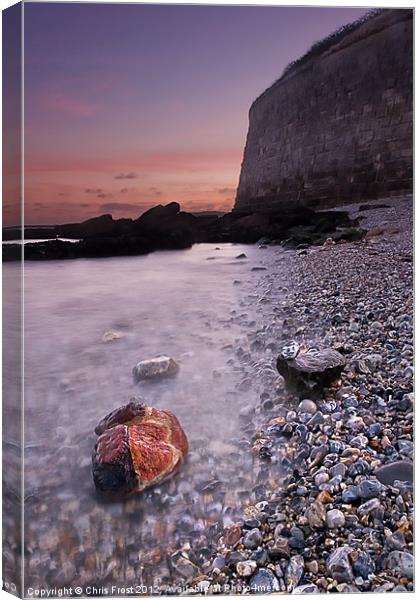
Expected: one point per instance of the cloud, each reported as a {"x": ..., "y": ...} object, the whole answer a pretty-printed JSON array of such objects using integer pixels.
[
  {"x": 127, "y": 190},
  {"x": 93, "y": 191},
  {"x": 103, "y": 195},
  {"x": 130, "y": 175},
  {"x": 225, "y": 190},
  {"x": 155, "y": 192}
]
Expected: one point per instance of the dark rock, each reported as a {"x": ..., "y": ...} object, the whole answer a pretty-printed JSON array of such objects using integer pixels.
[
  {"x": 369, "y": 488},
  {"x": 338, "y": 565},
  {"x": 264, "y": 582},
  {"x": 350, "y": 495},
  {"x": 401, "y": 563},
  {"x": 401, "y": 470},
  {"x": 363, "y": 566},
  {"x": 308, "y": 371},
  {"x": 253, "y": 539}
]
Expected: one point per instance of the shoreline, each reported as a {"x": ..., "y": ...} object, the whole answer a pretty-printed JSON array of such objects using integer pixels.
[{"x": 357, "y": 298}]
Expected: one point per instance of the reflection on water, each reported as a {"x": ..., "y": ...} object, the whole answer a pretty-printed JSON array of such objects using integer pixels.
[{"x": 179, "y": 303}]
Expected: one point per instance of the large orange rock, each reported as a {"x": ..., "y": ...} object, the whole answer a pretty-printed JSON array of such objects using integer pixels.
[{"x": 138, "y": 446}]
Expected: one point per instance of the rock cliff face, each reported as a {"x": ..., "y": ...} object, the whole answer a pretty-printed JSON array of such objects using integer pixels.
[{"x": 338, "y": 125}]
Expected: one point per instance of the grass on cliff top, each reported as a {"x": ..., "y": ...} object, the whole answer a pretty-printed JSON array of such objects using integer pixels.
[{"x": 334, "y": 38}]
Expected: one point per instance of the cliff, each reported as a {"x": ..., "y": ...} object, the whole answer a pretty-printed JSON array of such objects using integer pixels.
[{"x": 338, "y": 125}]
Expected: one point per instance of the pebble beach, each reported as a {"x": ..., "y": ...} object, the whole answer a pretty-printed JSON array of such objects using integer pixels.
[{"x": 342, "y": 520}]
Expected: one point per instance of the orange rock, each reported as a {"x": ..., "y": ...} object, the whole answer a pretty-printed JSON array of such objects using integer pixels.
[{"x": 138, "y": 446}]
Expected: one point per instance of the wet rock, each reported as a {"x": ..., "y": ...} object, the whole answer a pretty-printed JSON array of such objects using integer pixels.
[
  {"x": 335, "y": 519},
  {"x": 396, "y": 541},
  {"x": 264, "y": 582},
  {"x": 401, "y": 470},
  {"x": 350, "y": 495},
  {"x": 232, "y": 535},
  {"x": 279, "y": 548},
  {"x": 183, "y": 566},
  {"x": 369, "y": 488},
  {"x": 218, "y": 563},
  {"x": 246, "y": 568},
  {"x": 138, "y": 446},
  {"x": 307, "y": 406},
  {"x": 401, "y": 563},
  {"x": 309, "y": 370},
  {"x": 369, "y": 506},
  {"x": 112, "y": 336},
  {"x": 155, "y": 368},
  {"x": 253, "y": 539},
  {"x": 241, "y": 256},
  {"x": 338, "y": 565},
  {"x": 316, "y": 515},
  {"x": 307, "y": 588},
  {"x": 294, "y": 572},
  {"x": 363, "y": 566}
]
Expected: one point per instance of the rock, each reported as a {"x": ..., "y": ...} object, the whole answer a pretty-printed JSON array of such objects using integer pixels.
[
  {"x": 335, "y": 519},
  {"x": 183, "y": 566},
  {"x": 350, "y": 495},
  {"x": 111, "y": 336},
  {"x": 308, "y": 371},
  {"x": 307, "y": 588},
  {"x": 154, "y": 368},
  {"x": 294, "y": 571},
  {"x": 253, "y": 539},
  {"x": 363, "y": 566},
  {"x": 369, "y": 488},
  {"x": 401, "y": 563},
  {"x": 316, "y": 515},
  {"x": 369, "y": 506},
  {"x": 338, "y": 565},
  {"x": 138, "y": 446},
  {"x": 279, "y": 548},
  {"x": 246, "y": 568},
  {"x": 307, "y": 406},
  {"x": 232, "y": 535},
  {"x": 264, "y": 581},
  {"x": 242, "y": 255},
  {"x": 338, "y": 470},
  {"x": 396, "y": 541},
  {"x": 401, "y": 470}
]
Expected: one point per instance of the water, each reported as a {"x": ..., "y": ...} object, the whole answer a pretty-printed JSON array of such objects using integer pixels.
[
  {"x": 198, "y": 306},
  {"x": 36, "y": 241}
]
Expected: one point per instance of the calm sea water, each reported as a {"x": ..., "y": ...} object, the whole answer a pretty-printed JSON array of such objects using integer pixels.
[{"x": 196, "y": 305}]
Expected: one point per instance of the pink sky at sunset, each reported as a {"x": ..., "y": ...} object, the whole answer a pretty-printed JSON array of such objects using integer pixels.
[{"x": 128, "y": 106}]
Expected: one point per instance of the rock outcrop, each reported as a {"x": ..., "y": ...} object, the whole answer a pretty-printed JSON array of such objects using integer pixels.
[{"x": 338, "y": 125}]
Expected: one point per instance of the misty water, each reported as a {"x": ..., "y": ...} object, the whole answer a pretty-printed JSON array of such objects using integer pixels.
[{"x": 199, "y": 306}]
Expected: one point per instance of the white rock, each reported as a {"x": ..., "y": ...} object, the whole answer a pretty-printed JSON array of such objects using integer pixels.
[{"x": 161, "y": 366}]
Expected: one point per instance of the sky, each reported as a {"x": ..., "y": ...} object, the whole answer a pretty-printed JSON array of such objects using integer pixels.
[{"x": 129, "y": 106}]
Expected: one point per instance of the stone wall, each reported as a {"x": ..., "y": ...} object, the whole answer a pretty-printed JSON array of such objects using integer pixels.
[{"x": 338, "y": 125}]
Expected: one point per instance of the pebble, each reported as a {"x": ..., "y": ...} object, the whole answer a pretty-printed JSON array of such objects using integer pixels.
[
  {"x": 363, "y": 566},
  {"x": 316, "y": 515},
  {"x": 369, "y": 488},
  {"x": 338, "y": 565},
  {"x": 294, "y": 572},
  {"x": 307, "y": 406},
  {"x": 246, "y": 568},
  {"x": 307, "y": 588},
  {"x": 264, "y": 581},
  {"x": 253, "y": 539},
  {"x": 335, "y": 519},
  {"x": 402, "y": 563}
]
